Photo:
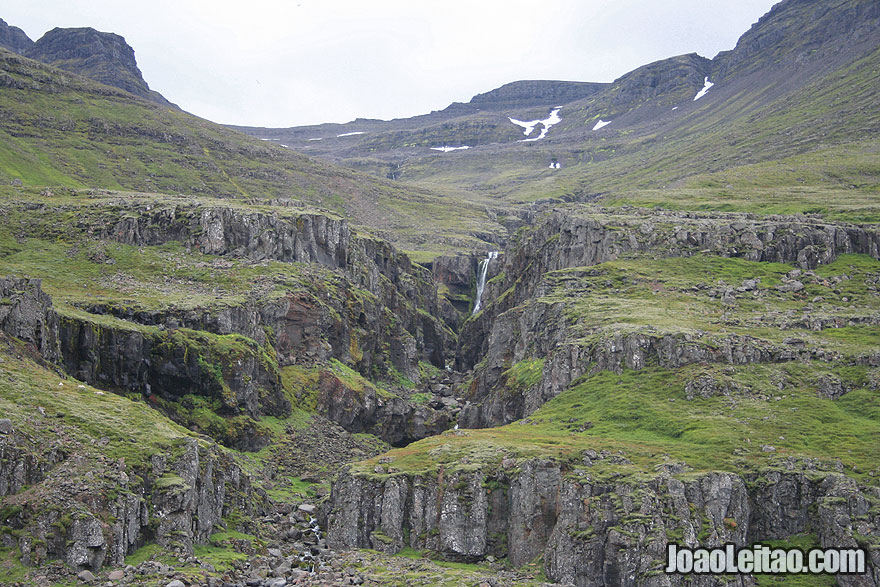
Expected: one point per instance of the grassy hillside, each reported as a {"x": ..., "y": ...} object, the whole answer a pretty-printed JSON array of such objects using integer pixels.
[
  {"x": 800, "y": 83},
  {"x": 58, "y": 129},
  {"x": 753, "y": 415}
]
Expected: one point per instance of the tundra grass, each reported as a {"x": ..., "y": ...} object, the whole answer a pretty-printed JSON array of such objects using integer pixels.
[
  {"x": 83, "y": 273},
  {"x": 646, "y": 416},
  {"x": 130, "y": 430},
  {"x": 687, "y": 296},
  {"x": 759, "y": 413}
]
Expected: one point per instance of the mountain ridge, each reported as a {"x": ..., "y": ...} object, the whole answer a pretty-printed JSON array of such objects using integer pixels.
[
  {"x": 814, "y": 39},
  {"x": 13, "y": 38},
  {"x": 225, "y": 362},
  {"x": 104, "y": 57}
]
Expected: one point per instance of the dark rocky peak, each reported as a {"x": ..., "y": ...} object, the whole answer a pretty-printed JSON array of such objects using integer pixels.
[
  {"x": 13, "y": 38},
  {"x": 103, "y": 57},
  {"x": 529, "y": 93},
  {"x": 797, "y": 32},
  {"x": 671, "y": 77}
]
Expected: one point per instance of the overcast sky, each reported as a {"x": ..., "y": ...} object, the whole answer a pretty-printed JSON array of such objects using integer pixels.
[{"x": 274, "y": 63}]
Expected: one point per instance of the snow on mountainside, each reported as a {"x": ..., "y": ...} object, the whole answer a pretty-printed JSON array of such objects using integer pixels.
[{"x": 546, "y": 123}]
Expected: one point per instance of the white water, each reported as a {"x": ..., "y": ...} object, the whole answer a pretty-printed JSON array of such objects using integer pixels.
[{"x": 481, "y": 280}]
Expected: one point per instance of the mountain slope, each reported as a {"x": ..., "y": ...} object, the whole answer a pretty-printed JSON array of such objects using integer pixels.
[
  {"x": 63, "y": 130},
  {"x": 103, "y": 57},
  {"x": 800, "y": 79},
  {"x": 13, "y": 38}
]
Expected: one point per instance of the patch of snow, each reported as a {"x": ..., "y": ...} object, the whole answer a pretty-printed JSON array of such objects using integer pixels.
[
  {"x": 529, "y": 127},
  {"x": 317, "y": 139},
  {"x": 285, "y": 146},
  {"x": 270, "y": 139},
  {"x": 351, "y": 134},
  {"x": 706, "y": 85},
  {"x": 447, "y": 149},
  {"x": 675, "y": 107},
  {"x": 555, "y": 165},
  {"x": 601, "y": 123}
]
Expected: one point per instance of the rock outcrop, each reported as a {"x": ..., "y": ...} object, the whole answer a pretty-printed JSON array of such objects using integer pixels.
[
  {"x": 103, "y": 57},
  {"x": 396, "y": 420},
  {"x": 591, "y": 532},
  {"x": 533, "y": 93},
  {"x": 65, "y": 502},
  {"x": 26, "y": 313},
  {"x": 14, "y": 39},
  {"x": 669, "y": 80},
  {"x": 564, "y": 240},
  {"x": 517, "y": 325},
  {"x": 171, "y": 364},
  {"x": 402, "y": 288},
  {"x": 800, "y": 32},
  {"x": 178, "y": 502}
]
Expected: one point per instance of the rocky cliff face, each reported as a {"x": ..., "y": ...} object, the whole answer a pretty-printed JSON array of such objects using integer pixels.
[
  {"x": 26, "y": 313},
  {"x": 13, "y": 38},
  {"x": 395, "y": 419},
  {"x": 348, "y": 297},
  {"x": 66, "y": 502},
  {"x": 671, "y": 79},
  {"x": 364, "y": 302},
  {"x": 589, "y": 519},
  {"x": 103, "y": 57},
  {"x": 517, "y": 325},
  {"x": 564, "y": 240},
  {"x": 591, "y": 532},
  {"x": 169, "y": 365},
  {"x": 404, "y": 321},
  {"x": 115, "y": 509},
  {"x": 532, "y": 93},
  {"x": 800, "y": 32}
]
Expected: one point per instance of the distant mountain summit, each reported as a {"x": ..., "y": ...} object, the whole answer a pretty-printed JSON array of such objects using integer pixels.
[
  {"x": 530, "y": 93},
  {"x": 13, "y": 38},
  {"x": 738, "y": 106},
  {"x": 103, "y": 57},
  {"x": 797, "y": 32}
]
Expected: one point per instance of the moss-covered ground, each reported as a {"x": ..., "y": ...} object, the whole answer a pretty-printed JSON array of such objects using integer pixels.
[{"x": 755, "y": 415}]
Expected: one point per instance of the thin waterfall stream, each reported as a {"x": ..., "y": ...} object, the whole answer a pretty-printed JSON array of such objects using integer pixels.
[{"x": 481, "y": 280}]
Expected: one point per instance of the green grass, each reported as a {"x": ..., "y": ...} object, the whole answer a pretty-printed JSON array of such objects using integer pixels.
[
  {"x": 133, "y": 430},
  {"x": 11, "y": 569},
  {"x": 144, "y": 553},
  {"x": 290, "y": 489},
  {"x": 646, "y": 415},
  {"x": 675, "y": 296},
  {"x": 841, "y": 183},
  {"x": 360, "y": 384},
  {"x": 78, "y": 270},
  {"x": 524, "y": 375},
  {"x": 221, "y": 558},
  {"x": 99, "y": 137},
  {"x": 809, "y": 149},
  {"x": 409, "y": 567}
]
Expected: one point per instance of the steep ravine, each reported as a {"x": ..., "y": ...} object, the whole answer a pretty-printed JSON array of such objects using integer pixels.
[
  {"x": 359, "y": 306},
  {"x": 589, "y": 524},
  {"x": 67, "y": 502}
]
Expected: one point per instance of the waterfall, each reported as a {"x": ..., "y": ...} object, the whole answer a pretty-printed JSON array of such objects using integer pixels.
[{"x": 481, "y": 280}]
